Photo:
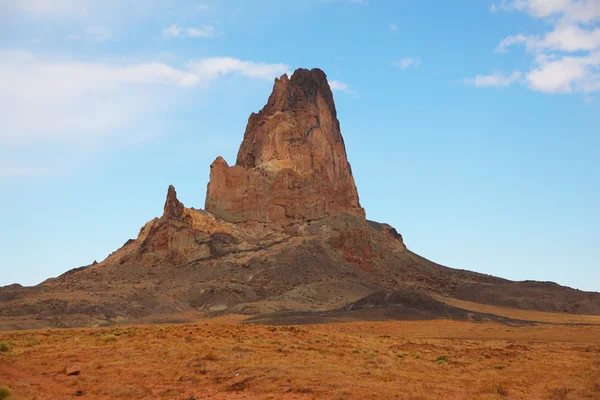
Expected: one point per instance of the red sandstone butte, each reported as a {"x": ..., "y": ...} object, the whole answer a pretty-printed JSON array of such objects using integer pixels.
[{"x": 292, "y": 164}]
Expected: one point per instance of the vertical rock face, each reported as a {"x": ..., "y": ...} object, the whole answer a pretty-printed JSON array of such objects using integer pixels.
[
  {"x": 292, "y": 163},
  {"x": 173, "y": 207}
]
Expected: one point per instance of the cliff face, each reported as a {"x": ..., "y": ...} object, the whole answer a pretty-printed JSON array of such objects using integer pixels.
[{"x": 292, "y": 163}]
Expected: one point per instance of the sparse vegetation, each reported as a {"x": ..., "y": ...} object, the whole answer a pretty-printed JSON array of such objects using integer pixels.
[
  {"x": 5, "y": 347},
  {"x": 211, "y": 356},
  {"x": 560, "y": 393},
  {"x": 109, "y": 338},
  {"x": 5, "y": 393},
  {"x": 486, "y": 355},
  {"x": 223, "y": 357},
  {"x": 500, "y": 389}
]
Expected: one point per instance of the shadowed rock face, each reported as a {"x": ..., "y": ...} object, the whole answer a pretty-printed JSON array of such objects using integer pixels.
[
  {"x": 292, "y": 163},
  {"x": 173, "y": 207}
]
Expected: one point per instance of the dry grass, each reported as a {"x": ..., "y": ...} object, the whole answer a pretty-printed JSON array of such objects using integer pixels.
[
  {"x": 5, "y": 393},
  {"x": 526, "y": 315},
  {"x": 220, "y": 359}
]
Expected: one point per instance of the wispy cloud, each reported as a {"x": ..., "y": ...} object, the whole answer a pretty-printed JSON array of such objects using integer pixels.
[
  {"x": 338, "y": 86},
  {"x": 566, "y": 58},
  {"x": 342, "y": 87},
  {"x": 211, "y": 68},
  {"x": 408, "y": 62},
  {"x": 47, "y": 7},
  {"x": 175, "y": 31},
  {"x": 496, "y": 79},
  {"x": 45, "y": 99},
  {"x": 393, "y": 27}
]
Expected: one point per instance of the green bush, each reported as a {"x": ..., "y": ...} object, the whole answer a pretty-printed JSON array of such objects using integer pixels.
[
  {"x": 4, "y": 347},
  {"x": 109, "y": 338},
  {"x": 5, "y": 392}
]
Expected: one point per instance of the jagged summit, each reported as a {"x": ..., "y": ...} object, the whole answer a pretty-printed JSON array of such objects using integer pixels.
[
  {"x": 292, "y": 164},
  {"x": 173, "y": 207}
]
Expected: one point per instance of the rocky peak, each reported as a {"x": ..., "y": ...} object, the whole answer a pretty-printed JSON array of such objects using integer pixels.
[
  {"x": 292, "y": 163},
  {"x": 173, "y": 207}
]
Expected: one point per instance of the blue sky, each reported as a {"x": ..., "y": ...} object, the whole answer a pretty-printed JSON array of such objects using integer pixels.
[{"x": 471, "y": 126}]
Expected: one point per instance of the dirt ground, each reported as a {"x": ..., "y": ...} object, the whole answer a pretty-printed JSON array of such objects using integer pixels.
[{"x": 222, "y": 359}]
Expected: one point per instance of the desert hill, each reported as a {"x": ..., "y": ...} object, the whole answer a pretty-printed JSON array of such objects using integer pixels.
[{"x": 283, "y": 236}]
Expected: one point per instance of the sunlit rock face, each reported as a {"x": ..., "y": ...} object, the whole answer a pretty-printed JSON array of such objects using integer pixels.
[{"x": 292, "y": 163}]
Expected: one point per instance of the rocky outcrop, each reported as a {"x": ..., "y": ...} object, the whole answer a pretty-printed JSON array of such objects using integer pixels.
[
  {"x": 292, "y": 163},
  {"x": 173, "y": 207}
]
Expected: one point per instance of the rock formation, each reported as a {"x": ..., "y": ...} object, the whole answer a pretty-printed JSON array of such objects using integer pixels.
[
  {"x": 292, "y": 163},
  {"x": 173, "y": 207},
  {"x": 311, "y": 257}
]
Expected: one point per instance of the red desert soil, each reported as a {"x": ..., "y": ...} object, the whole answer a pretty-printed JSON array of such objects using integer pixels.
[{"x": 222, "y": 359}]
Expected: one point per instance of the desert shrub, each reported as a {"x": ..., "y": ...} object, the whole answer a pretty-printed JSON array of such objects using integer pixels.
[
  {"x": 355, "y": 351},
  {"x": 211, "y": 357},
  {"x": 502, "y": 390},
  {"x": 401, "y": 354},
  {"x": 560, "y": 393},
  {"x": 486, "y": 355},
  {"x": 499, "y": 366},
  {"x": 5, "y": 347},
  {"x": 31, "y": 341},
  {"x": 444, "y": 358},
  {"x": 416, "y": 355},
  {"x": 109, "y": 338},
  {"x": 5, "y": 392}
]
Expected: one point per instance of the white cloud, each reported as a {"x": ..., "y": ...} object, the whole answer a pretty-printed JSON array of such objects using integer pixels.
[
  {"x": 566, "y": 75},
  {"x": 565, "y": 38},
  {"x": 211, "y": 68},
  {"x": 571, "y": 10},
  {"x": 77, "y": 8},
  {"x": 497, "y": 79},
  {"x": 338, "y": 86},
  {"x": 393, "y": 27},
  {"x": 175, "y": 31},
  {"x": 172, "y": 31},
  {"x": 206, "y": 32},
  {"x": 513, "y": 40},
  {"x": 408, "y": 62},
  {"x": 342, "y": 87},
  {"x": 565, "y": 57},
  {"x": 73, "y": 101}
]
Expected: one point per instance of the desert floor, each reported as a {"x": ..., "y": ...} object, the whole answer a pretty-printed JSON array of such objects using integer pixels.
[{"x": 222, "y": 359}]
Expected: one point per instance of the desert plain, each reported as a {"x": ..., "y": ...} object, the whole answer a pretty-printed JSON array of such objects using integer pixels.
[{"x": 225, "y": 358}]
